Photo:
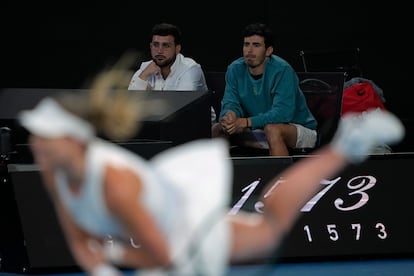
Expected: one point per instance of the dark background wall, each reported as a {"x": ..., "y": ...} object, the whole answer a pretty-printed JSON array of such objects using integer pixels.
[{"x": 63, "y": 44}]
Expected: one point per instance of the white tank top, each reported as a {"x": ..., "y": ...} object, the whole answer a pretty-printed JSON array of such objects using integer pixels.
[{"x": 187, "y": 190}]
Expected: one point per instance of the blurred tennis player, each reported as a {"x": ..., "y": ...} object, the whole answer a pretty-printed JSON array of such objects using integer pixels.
[{"x": 176, "y": 205}]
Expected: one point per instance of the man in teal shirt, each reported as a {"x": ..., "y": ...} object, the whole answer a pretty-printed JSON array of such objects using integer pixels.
[{"x": 262, "y": 93}]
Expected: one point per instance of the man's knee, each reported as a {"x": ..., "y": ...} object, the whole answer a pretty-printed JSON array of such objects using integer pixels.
[
  {"x": 280, "y": 133},
  {"x": 216, "y": 130}
]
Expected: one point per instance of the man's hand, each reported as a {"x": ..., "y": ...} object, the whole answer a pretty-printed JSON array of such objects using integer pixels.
[
  {"x": 149, "y": 70},
  {"x": 230, "y": 124}
]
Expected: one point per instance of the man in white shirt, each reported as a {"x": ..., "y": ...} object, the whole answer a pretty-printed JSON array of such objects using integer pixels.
[{"x": 169, "y": 69}]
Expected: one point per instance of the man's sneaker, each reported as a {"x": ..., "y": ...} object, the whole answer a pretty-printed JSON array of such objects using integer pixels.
[{"x": 359, "y": 133}]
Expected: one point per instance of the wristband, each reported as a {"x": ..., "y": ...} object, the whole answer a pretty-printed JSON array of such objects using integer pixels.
[
  {"x": 114, "y": 252},
  {"x": 105, "y": 270}
]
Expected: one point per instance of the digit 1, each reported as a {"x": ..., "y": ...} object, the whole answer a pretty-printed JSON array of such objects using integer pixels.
[
  {"x": 308, "y": 233},
  {"x": 250, "y": 188}
]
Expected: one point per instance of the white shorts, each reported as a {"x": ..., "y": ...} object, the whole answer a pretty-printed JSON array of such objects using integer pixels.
[{"x": 306, "y": 138}]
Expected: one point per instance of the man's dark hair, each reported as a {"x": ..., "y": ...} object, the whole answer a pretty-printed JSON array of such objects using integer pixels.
[
  {"x": 164, "y": 29},
  {"x": 260, "y": 29}
]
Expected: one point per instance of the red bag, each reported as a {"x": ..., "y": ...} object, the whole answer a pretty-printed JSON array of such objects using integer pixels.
[{"x": 360, "y": 97}]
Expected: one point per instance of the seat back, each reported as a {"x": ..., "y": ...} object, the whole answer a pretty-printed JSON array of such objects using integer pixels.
[
  {"x": 345, "y": 60},
  {"x": 216, "y": 83},
  {"x": 324, "y": 93}
]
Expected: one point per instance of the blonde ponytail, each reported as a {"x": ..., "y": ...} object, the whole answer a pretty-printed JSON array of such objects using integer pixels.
[{"x": 109, "y": 106}]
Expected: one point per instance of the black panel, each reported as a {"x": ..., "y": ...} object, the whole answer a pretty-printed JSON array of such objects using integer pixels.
[
  {"x": 365, "y": 212},
  {"x": 36, "y": 242},
  {"x": 185, "y": 116}
]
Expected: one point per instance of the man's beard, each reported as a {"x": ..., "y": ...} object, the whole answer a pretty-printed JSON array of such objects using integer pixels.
[
  {"x": 165, "y": 62},
  {"x": 251, "y": 64}
]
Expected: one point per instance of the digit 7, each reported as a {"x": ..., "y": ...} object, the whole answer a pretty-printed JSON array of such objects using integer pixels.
[{"x": 312, "y": 202}]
